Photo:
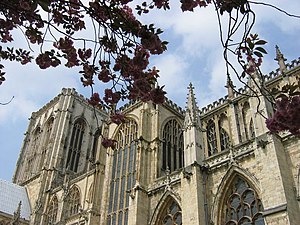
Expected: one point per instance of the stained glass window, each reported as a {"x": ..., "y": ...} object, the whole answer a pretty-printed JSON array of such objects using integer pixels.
[
  {"x": 242, "y": 205},
  {"x": 122, "y": 174},
  {"x": 75, "y": 145},
  {"x": 172, "y": 154},
  {"x": 52, "y": 211}
]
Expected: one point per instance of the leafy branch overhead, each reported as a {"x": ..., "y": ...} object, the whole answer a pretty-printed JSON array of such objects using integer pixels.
[{"x": 119, "y": 48}]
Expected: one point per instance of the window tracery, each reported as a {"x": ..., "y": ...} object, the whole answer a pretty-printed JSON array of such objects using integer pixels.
[
  {"x": 123, "y": 173},
  {"x": 171, "y": 214},
  {"x": 242, "y": 205},
  {"x": 211, "y": 138},
  {"x": 172, "y": 152},
  {"x": 224, "y": 139},
  {"x": 75, "y": 145},
  {"x": 74, "y": 201},
  {"x": 52, "y": 211}
]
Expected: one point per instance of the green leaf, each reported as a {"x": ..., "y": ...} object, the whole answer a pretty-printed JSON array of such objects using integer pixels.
[
  {"x": 261, "y": 50},
  {"x": 258, "y": 54},
  {"x": 261, "y": 42}
]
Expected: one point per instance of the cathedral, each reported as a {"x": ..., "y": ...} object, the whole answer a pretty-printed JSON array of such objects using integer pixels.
[{"x": 218, "y": 165}]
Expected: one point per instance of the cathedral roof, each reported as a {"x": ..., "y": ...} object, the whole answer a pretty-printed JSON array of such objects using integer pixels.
[{"x": 10, "y": 197}]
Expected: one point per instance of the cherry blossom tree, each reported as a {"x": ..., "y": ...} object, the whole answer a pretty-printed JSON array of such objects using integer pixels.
[{"x": 120, "y": 46}]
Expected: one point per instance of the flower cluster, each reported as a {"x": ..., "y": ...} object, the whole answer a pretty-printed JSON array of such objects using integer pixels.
[{"x": 286, "y": 116}]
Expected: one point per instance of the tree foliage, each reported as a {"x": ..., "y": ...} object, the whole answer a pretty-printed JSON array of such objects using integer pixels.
[{"x": 120, "y": 46}]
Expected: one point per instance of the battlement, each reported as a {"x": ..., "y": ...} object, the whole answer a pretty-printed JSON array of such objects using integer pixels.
[
  {"x": 241, "y": 91},
  {"x": 174, "y": 106}
]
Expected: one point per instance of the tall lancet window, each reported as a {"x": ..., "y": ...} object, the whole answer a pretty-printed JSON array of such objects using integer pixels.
[
  {"x": 32, "y": 162},
  {"x": 224, "y": 137},
  {"x": 211, "y": 138},
  {"x": 242, "y": 205},
  {"x": 122, "y": 174},
  {"x": 172, "y": 153},
  {"x": 46, "y": 141},
  {"x": 75, "y": 145}
]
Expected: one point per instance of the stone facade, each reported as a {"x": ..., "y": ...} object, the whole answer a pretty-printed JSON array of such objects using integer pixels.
[{"x": 218, "y": 165}]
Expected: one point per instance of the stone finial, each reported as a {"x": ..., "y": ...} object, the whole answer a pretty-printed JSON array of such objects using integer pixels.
[
  {"x": 230, "y": 87},
  {"x": 192, "y": 108},
  {"x": 280, "y": 59},
  {"x": 17, "y": 215}
]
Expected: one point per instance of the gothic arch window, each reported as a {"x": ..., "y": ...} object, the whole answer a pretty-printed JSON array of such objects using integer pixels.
[
  {"x": 224, "y": 137},
  {"x": 52, "y": 211},
  {"x": 74, "y": 201},
  {"x": 211, "y": 138},
  {"x": 246, "y": 116},
  {"x": 171, "y": 214},
  {"x": 32, "y": 161},
  {"x": 48, "y": 130},
  {"x": 172, "y": 152},
  {"x": 122, "y": 174},
  {"x": 75, "y": 145},
  {"x": 242, "y": 205}
]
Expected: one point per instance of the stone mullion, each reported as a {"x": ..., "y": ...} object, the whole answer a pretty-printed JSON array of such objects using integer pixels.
[{"x": 217, "y": 133}]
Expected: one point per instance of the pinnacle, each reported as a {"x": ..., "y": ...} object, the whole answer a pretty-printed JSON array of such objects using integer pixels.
[{"x": 192, "y": 108}]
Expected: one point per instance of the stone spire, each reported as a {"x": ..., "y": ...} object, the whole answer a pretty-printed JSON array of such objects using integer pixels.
[
  {"x": 192, "y": 111},
  {"x": 230, "y": 87},
  {"x": 193, "y": 133},
  {"x": 280, "y": 59}
]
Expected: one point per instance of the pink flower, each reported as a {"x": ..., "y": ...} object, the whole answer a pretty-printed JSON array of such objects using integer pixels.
[
  {"x": 117, "y": 118},
  {"x": 106, "y": 143}
]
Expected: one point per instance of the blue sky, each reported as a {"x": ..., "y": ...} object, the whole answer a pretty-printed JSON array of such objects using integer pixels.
[{"x": 194, "y": 55}]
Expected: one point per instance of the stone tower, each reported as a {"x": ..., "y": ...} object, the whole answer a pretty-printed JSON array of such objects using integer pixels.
[{"x": 216, "y": 165}]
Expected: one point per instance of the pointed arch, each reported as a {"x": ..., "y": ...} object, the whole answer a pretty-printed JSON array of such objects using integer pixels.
[
  {"x": 52, "y": 210},
  {"x": 223, "y": 132},
  {"x": 211, "y": 138},
  {"x": 168, "y": 200},
  {"x": 123, "y": 172},
  {"x": 237, "y": 199},
  {"x": 74, "y": 201},
  {"x": 172, "y": 149},
  {"x": 75, "y": 145}
]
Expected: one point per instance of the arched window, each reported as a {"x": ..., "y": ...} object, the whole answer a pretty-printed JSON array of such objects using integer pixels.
[
  {"x": 74, "y": 201},
  {"x": 224, "y": 139},
  {"x": 75, "y": 145},
  {"x": 122, "y": 174},
  {"x": 48, "y": 130},
  {"x": 171, "y": 214},
  {"x": 52, "y": 211},
  {"x": 172, "y": 153},
  {"x": 242, "y": 205},
  {"x": 32, "y": 160},
  {"x": 211, "y": 138}
]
